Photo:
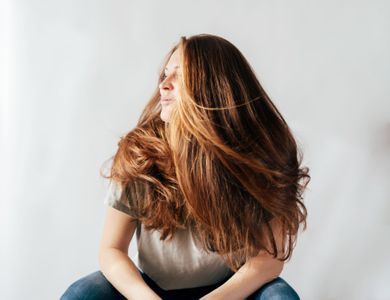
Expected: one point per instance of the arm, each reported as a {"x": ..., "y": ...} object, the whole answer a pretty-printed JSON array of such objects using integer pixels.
[
  {"x": 252, "y": 275},
  {"x": 114, "y": 261}
]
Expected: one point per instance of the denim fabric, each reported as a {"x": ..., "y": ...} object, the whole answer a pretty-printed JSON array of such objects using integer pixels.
[{"x": 96, "y": 287}]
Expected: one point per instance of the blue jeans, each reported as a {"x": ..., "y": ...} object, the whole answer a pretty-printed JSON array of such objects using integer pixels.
[{"x": 96, "y": 287}]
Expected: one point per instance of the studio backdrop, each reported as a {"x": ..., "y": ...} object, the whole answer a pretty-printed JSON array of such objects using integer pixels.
[{"x": 75, "y": 76}]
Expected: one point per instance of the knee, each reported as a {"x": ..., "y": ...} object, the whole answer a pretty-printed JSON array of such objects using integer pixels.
[
  {"x": 277, "y": 289},
  {"x": 92, "y": 286}
]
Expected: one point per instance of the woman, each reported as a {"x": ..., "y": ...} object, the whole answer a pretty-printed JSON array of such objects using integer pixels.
[{"x": 210, "y": 181}]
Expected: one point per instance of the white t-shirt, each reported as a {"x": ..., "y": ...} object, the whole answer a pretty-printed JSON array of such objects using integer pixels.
[{"x": 175, "y": 264}]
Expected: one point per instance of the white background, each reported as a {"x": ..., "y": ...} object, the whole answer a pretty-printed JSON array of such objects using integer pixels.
[{"x": 75, "y": 76}]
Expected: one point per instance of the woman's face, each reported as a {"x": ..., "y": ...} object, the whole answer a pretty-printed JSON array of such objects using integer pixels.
[{"x": 169, "y": 85}]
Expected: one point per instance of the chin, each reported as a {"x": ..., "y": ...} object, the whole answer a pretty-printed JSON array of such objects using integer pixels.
[{"x": 164, "y": 116}]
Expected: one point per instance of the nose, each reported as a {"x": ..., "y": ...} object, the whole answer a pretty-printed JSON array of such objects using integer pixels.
[{"x": 166, "y": 84}]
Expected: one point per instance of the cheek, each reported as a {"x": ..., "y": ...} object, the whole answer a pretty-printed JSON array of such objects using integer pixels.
[{"x": 175, "y": 89}]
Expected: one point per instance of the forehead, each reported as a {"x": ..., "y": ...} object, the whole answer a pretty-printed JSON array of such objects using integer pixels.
[{"x": 174, "y": 61}]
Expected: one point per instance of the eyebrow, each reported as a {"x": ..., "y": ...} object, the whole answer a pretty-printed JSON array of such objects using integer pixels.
[{"x": 177, "y": 67}]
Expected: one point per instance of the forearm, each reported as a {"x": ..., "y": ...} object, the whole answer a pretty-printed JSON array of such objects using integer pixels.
[
  {"x": 123, "y": 274},
  {"x": 249, "y": 278}
]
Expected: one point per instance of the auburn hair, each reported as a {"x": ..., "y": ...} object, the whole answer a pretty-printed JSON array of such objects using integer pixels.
[{"x": 225, "y": 165}]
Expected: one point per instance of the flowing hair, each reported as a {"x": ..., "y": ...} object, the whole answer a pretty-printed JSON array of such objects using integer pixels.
[{"x": 226, "y": 163}]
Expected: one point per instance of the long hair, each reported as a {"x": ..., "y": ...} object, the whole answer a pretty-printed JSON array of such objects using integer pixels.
[{"x": 225, "y": 165}]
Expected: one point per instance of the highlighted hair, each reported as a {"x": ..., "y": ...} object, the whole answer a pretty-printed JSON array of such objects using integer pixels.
[{"x": 225, "y": 165}]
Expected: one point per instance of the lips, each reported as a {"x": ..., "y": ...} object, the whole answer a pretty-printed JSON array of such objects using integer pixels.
[{"x": 165, "y": 100}]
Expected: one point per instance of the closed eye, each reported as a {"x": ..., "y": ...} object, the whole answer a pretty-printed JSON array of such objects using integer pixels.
[{"x": 163, "y": 76}]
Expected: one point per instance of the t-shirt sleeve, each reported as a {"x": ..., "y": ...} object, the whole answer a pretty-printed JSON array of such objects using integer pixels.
[{"x": 116, "y": 198}]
